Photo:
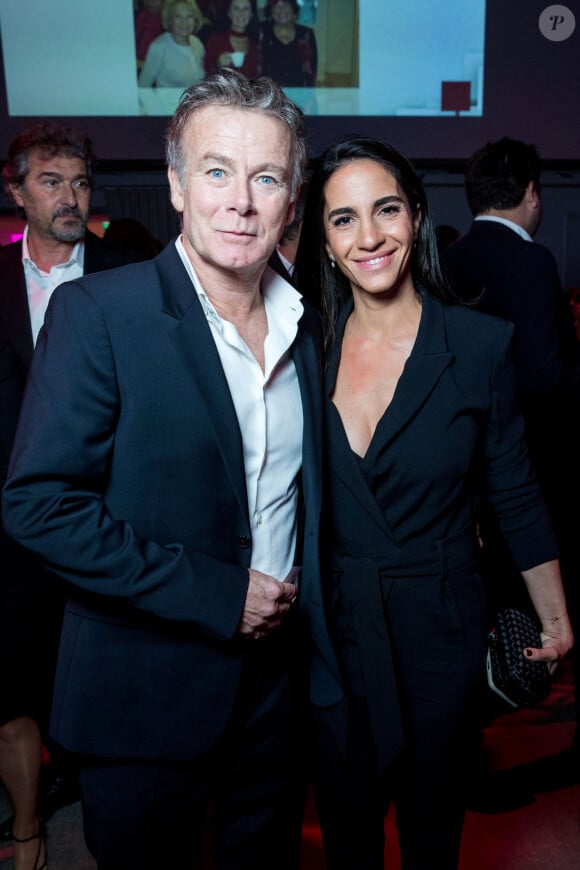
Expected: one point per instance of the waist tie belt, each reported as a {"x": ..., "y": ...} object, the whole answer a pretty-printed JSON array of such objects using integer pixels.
[{"x": 360, "y": 580}]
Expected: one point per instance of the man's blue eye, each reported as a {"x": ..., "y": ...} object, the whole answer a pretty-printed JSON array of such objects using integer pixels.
[
  {"x": 217, "y": 173},
  {"x": 266, "y": 179}
]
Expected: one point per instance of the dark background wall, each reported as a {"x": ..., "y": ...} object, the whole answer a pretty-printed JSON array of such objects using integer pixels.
[{"x": 531, "y": 92}]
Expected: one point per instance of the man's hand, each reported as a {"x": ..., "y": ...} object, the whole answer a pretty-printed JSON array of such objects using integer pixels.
[{"x": 267, "y": 603}]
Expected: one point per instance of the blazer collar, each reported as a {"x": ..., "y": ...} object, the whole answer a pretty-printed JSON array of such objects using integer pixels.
[
  {"x": 307, "y": 355},
  {"x": 192, "y": 338}
]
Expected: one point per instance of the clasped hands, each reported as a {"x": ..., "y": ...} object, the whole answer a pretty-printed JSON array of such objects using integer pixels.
[{"x": 267, "y": 602}]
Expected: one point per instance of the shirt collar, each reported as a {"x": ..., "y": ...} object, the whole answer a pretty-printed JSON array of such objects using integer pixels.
[
  {"x": 277, "y": 292},
  {"x": 77, "y": 255},
  {"x": 499, "y": 220}
]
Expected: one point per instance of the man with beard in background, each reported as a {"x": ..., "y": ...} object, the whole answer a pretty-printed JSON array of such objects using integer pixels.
[{"x": 49, "y": 176}]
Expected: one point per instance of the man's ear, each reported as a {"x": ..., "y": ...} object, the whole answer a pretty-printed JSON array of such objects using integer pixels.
[
  {"x": 291, "y": 211},
  {"x": 175, "y": 189},
  {"x": 532, "y": 194},
  {"x": 15, "y": 192}
]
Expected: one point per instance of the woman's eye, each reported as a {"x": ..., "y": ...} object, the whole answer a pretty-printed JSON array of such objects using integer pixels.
[
  {"x": 266, "y": 179},
  {"x": 391, "y": 210},
  {"x": 342, "y": 221}
]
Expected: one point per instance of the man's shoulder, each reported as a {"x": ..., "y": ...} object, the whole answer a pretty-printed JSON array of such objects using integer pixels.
[
  {"x": 476, "y": 338},
  {"x": 483, "y": 235},
  {"x": 486, "y": 235},
  {"x": 136, "y": 277},
  {"x": 11, "y": 254},
  {"x": 493, "y": 259},
  {"x": 118, "y": 275}
]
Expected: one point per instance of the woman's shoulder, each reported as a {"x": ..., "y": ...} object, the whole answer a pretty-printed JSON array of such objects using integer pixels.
[
  {"x": 476, "y": 329},
  {"x": 161, "y": 42},
  {"x": 197, "y": 45},
  {"x": 468, "y": 321}
]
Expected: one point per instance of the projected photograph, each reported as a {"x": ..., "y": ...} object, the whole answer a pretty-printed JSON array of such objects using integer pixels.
[{"x": 333, "y": 57}]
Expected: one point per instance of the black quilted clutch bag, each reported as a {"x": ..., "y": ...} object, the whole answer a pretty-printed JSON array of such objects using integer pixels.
[{"x": 520, "y": 682}]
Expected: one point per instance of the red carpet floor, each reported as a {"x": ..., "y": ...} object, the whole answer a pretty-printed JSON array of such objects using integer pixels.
[
  {"x": 528, "y": 815},
  {"x": 527, "y": 818}
]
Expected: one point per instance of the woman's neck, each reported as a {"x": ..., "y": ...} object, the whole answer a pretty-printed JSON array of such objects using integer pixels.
[
  {"x": 375, "y": 317},
  {"x": 285, "y": 32}
]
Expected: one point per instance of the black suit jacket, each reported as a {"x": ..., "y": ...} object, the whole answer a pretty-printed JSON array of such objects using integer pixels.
[
  {"x": 404, "y": 517},
  {"x": 22, "y": 573},
  {"x": 518, "y": 280},
  {"x": 16, "y": 344},
  {"x": 14, "y": 313},
  {"x": 128, "y": 479}
]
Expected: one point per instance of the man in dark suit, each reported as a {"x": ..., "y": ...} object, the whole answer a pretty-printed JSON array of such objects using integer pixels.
[
  {"x": 283, "y": 256},
  {"x": 499, "y": 267},
  {"x": 49, "y": 175},
  {"x": 167, "y": 466}
]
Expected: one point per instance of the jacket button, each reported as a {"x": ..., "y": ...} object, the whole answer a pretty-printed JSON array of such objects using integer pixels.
[{"x": 244, "y": 542}]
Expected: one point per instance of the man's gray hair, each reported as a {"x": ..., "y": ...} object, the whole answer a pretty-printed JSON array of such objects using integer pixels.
[{"x": 228, "y": 87}]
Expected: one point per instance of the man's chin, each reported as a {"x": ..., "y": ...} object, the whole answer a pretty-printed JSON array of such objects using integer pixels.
[{"x": 72, "y": 232}]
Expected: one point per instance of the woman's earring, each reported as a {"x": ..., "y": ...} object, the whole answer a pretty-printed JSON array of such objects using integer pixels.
[{"x": 332, "y": 261}]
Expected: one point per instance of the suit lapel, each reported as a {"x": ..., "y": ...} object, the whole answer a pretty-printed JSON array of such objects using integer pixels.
[
  {"x": 306, "y": 353},
  {"x": 194, "y": 343},
  {"x": 14, "y": 312},
  {"x": 427, "y": 362}
]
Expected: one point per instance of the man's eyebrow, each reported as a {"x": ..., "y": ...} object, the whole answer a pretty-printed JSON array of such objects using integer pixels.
[
  {"x": 47, "y": 173},
  {"x": 213, "y": 156},
  {"x": 261, "y": 169},
  {"x": 273, "y": 167}
]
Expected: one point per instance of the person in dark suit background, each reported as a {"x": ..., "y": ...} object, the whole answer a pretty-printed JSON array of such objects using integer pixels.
[
  {"x": 499, "y": 269},
  {"x": 167, "y": 467},
  {"x": 421, "y": 418},
  {"x": 282, "y": 258},
  {"x": 48, "y": 174}
]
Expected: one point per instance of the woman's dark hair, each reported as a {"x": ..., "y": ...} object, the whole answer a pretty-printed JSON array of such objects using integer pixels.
[
  {"x": 295, "y": 6},
  {"x": 314, "y": 276}
]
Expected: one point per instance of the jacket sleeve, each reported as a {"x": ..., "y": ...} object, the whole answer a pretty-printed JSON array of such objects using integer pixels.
[
  {"x": 513, "y": 491},
  {"x": 55, "y": 500},
  {"x": 546, "y": 350}
]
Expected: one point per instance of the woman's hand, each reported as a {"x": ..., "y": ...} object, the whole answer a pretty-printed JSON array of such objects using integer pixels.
[
  {"x": 544, "y": 585},
  {"x": 557, "y": 640}
]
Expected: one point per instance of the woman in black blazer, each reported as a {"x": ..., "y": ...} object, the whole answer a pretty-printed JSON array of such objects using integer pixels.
[{"x": 421, "y": 420}]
